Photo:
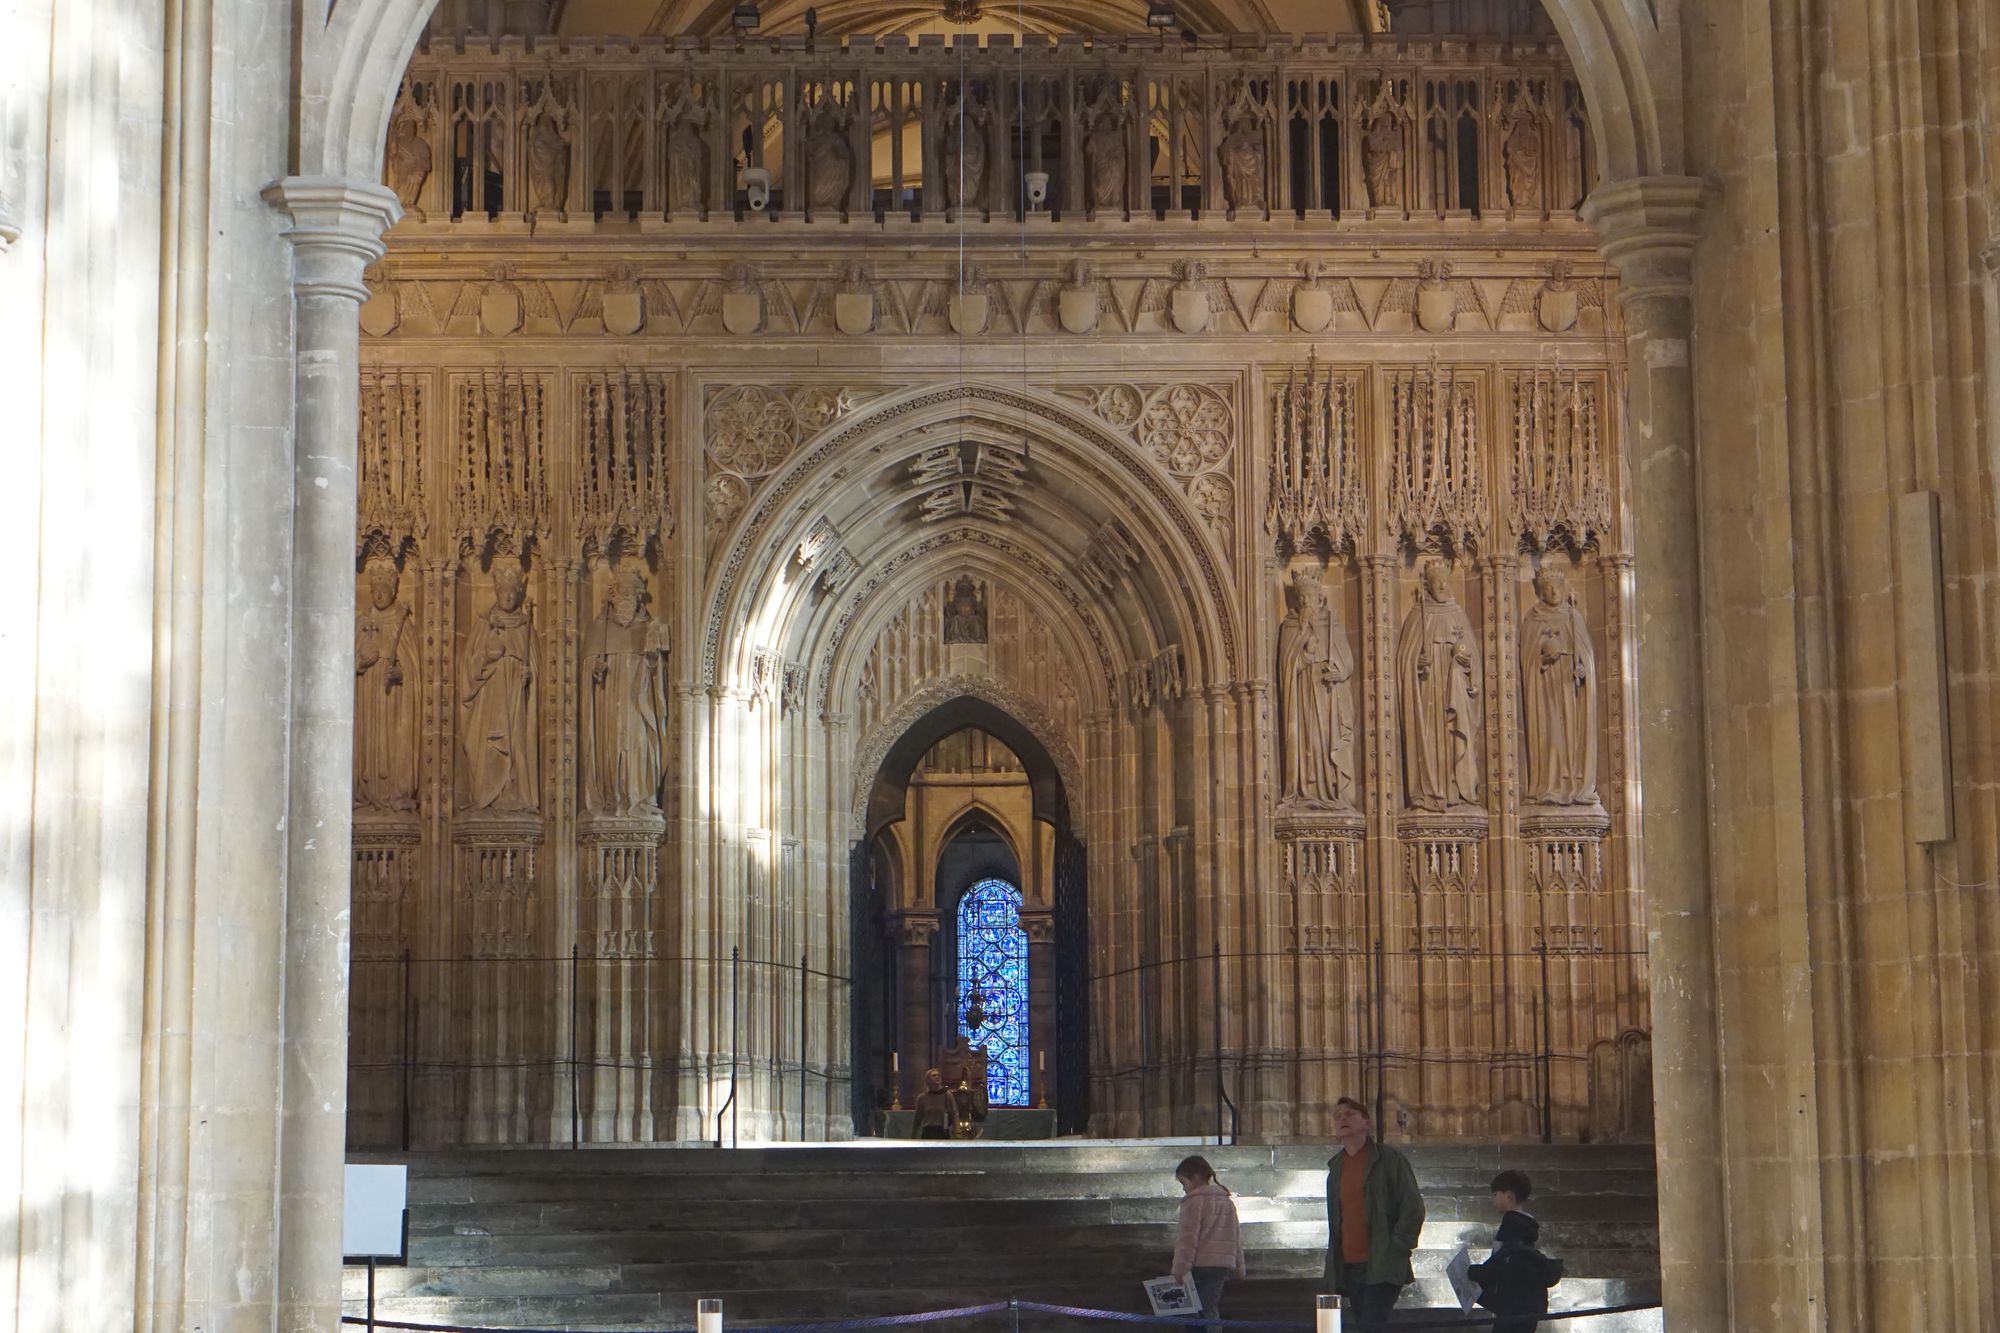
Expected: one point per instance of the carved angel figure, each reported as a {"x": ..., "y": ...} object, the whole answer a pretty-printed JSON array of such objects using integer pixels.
[
  {"x": 1382, "y": 125},
  {"x": 1559, "y": 684},
  {"x": 1315, "y": 699},
  {"x": 385, "y": 697},
  {"x": 624, "y": 703},
  {"x": 1437, "y": 687},
  {"x": 500, "y": 739}
]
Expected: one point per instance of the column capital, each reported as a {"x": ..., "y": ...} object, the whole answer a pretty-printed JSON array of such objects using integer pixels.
[
  {"x": 1647, "y": 226},
  {"x": 336, "y": 230}
]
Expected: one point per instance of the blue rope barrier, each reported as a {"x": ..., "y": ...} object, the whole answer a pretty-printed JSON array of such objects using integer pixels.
[{"x": 1481, "y": 1320}]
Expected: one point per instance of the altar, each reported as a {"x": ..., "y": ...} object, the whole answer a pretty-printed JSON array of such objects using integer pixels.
[{"x": 1002, "y": 1123}]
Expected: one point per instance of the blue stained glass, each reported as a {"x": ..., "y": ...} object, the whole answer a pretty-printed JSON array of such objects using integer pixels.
[{"x": 993, "y": 986}]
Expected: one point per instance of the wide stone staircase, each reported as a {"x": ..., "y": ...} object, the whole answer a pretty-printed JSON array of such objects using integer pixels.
[{"x": 611, "y": 1238}]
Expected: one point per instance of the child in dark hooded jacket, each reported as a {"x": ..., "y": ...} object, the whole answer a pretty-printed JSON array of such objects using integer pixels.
[{"x": 1514, "y": 1281}]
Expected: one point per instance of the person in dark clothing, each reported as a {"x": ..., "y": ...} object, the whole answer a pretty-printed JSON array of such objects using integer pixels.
[
  {"x": 1514, "y": 1281},
  {"x": 1374, "y": 1215}
]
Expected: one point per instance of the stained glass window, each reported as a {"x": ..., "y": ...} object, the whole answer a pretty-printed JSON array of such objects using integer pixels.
[{"x": 993, "y": 986}]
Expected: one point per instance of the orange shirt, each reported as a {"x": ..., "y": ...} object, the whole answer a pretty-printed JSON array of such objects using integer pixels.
[{"x": 1353, "y": 1207}]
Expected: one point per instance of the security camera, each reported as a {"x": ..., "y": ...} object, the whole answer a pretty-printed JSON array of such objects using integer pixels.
[
  {"x": 1038, "y": 188},
  {"x": 757, "y": 188}
]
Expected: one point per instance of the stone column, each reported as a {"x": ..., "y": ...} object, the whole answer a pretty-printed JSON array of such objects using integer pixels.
[
  {"x": 1648, "y": 226},
  {"x": 336, "y": 232}
]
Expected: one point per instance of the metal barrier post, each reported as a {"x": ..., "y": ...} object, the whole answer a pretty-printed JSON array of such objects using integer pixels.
[
  {"x": 708, "y": 1315},
  {"x": 409, "y": 1051},
  {"x": 575, "y": 1105},
  {"x": 735, "y": 1017},
  {"x": 1548, "y": 1041},
  {"x": 803, "y": 979},
  {"x": 1326, "y": 1314}
]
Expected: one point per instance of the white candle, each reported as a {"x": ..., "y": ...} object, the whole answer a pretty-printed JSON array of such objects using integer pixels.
[
  {"x": 1326, "y": 1315},
  {"x": 895, "y": 1062},
  {"x": 1041, "y": 1062},
  {"x": 708, "y": 1316}
]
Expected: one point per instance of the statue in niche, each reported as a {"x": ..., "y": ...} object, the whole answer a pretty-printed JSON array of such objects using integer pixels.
[
  {"x": 829, "y": 161},
  {"x": 1104, "y": 149},
  {"x": 548, "y": 160},
  {"x": 385, "y": 697},
  {"x": 624, "y": 703},
  {"x": 1521, "y": 156},
  {"x": 965, "y": 614},
  {"x": 407, "y": 162},
  {"x": 1315, "y": 699},
  {"x": 1438, "y": 688},
  {"x": 501, "y": 740},
  {"x": 1242, "y": 156},
  {"x": 963, "y": 153},
  {"x": 1382, "y": 146},
  {"x": 1559, "y": 680},
  {"x": 687, "y": 168}
]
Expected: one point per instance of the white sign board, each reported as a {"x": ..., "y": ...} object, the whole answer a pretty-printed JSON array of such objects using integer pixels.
[{"x": 371, "y": 1221}]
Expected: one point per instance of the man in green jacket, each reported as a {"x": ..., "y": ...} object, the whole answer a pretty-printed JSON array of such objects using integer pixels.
[{"x": 1373, "y": 1217}]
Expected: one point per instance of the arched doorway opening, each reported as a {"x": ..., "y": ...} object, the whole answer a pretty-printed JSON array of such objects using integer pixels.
[{"x": 968, "y": 926}]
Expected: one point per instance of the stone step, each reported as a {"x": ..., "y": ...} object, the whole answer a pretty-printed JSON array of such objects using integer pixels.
[{"x": 629, "y": 1238}]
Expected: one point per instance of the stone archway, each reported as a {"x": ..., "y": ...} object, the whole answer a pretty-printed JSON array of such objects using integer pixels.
[{"x": 348, "y": 69}]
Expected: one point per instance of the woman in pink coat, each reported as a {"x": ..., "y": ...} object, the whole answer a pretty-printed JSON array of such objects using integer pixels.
[{"x": 1208, "y": 1248}]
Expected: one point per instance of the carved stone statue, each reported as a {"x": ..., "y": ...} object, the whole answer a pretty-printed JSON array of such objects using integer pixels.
[
  {"x": 1315, "y": 700},
  {"x": 407, "y": 162},
  {"x": 687, "y": 167},
  {"x": 962, "y": 151},
  {"x": 1521, "y": 154},
  {"x": 965, "y": 614},
  {"x": 385, "y": 697},
  {"x": 548, "y": 162},
  {"x": 829, "y": 162},
  {"x": 624, "y": 720},
  {"x": 1437, "y": 686},
  {"x": 1559, "y": 682},
  {"x": 499, "y": 734},
  {"x": 1104, "y": 149},
  {"x": 1382, "y": 161},
  {"x": 1242, "y": 156}
]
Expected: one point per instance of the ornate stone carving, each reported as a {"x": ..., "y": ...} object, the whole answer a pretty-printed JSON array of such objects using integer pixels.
[
  {"x": 1562, "y": 484},
  {"x": 496, "y": 889},
  {"x": 500, "y": 493},
  {"x": 819, "y": 406},
  {"x": 547, "y": 111},
  {"x": 856, "y": 302},
  {"x": 1119, "y": 406},
  {"x": 499, "y": 730},
  {"x": 965, "y": 613},
  {"x": 386, "y": 675},
  {"x": 624, "y": 715},
  {"x": 1316, "y": 488},
  {"x": 1080, "y": 301},
  {"x": 1521, "y": 119},
  {"x": 1559, "y": 683},
  {"x": 1213, "y": 496},
  {"x": 829, "y": 154},
  {"x": 1385, "y": 120},
  {"x": 408, "y": 159},
  {"x": 394, "y": 446},
  {"x": 685, "y": 116},
  {"x": 1106, "y": 119},
  {"x": 1444, "y": 880},
  {"x": 750, "y": 429},
  {"x": 1187, "y": 427},
  {"x": 622, "y": 500},
  {"x": 1315, "y": 701},
  {"x": 722, "y": 500},
  {"x": 1109, "y": 558},
  {"x": 964, "y": 122},
  {"x": 1437, "y": 484},
  {"x": 953, "y": 480},
  {"x": 1437, "y": 687},
  {"x": 1242, "y": 153},
  {"x": 1192, "y": 299},
  {"x": 1321, "y": 865}
]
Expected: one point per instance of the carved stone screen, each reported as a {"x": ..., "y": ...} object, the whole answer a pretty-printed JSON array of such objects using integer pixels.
[{"x": 1257, "y": 492}]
